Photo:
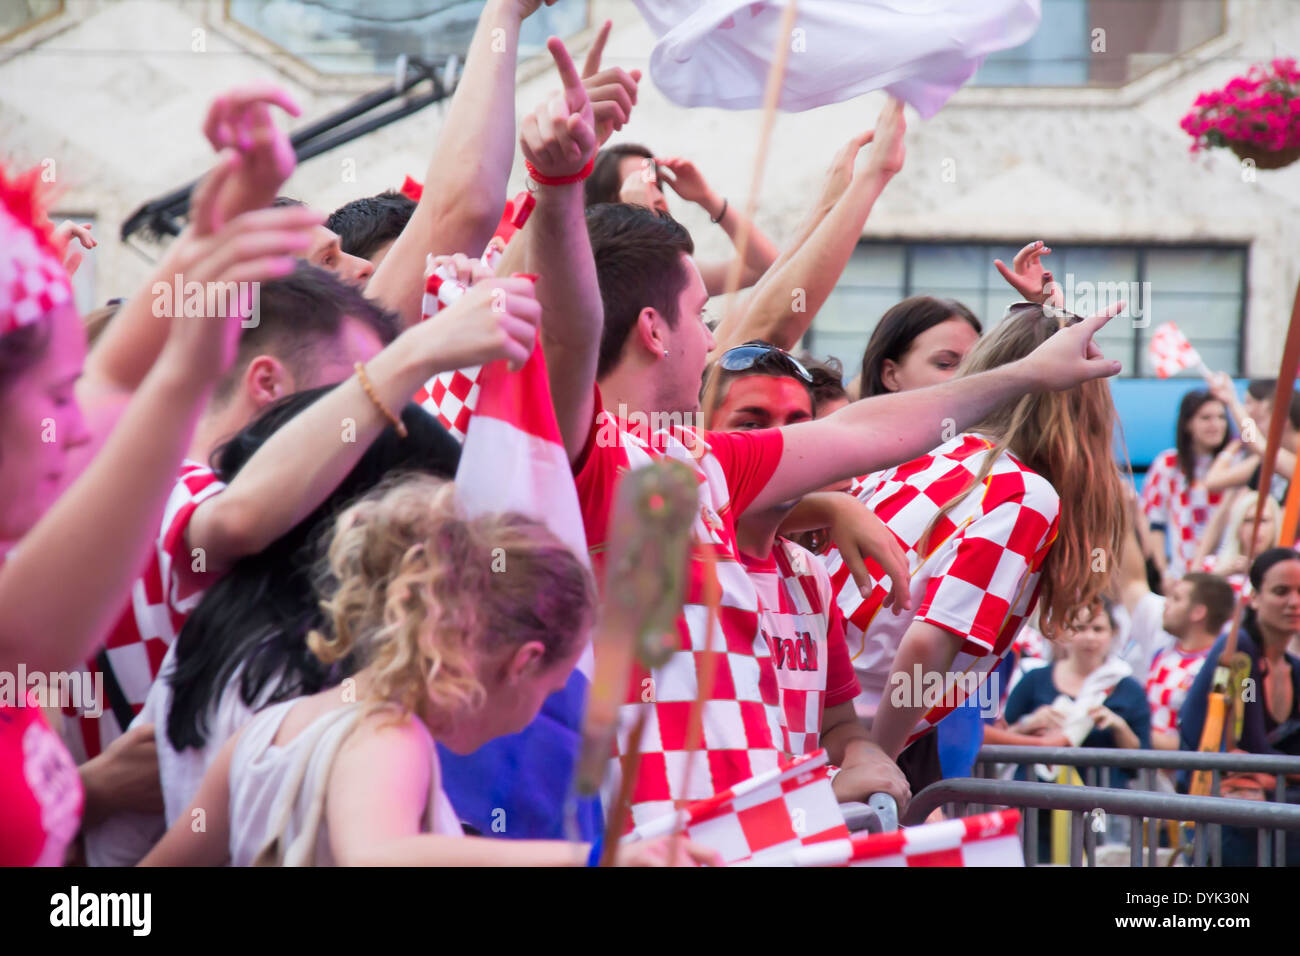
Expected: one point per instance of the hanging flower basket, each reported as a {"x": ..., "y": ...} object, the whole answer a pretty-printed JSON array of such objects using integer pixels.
[
  {"x": 1257, "y": 116},
  {"x": 1265, "y": 158}
]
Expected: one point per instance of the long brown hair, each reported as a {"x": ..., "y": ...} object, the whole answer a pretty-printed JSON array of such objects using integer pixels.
[{"x": 1065, "y": 437}]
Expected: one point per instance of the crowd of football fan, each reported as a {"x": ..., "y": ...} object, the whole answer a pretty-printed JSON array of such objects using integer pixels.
[{"x": 249, "y": 533}]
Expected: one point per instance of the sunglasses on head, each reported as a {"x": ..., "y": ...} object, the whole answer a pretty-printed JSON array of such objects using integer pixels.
[
  {"x": 1062, "y": 317},
  {"x": 744, "y": 357}
]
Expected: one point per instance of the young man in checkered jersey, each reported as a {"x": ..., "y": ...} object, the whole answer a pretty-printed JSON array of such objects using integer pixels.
[
  {"x": 631, "y": 316},
  {"x": 1171, "y": 636},
  {"x": 808, "y": 680}
]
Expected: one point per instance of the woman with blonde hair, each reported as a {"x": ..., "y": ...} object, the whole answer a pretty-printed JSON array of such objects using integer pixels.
[
  {"x": 1237, "y": 519},
  {"x": 460, "y": 629},
  {"x": 1022, "y": 510}
]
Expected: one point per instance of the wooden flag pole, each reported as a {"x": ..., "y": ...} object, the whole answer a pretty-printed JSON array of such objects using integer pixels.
[
  {"x": 771, "y": 99},
  {"x": 1222, "y": 702},
  {"x": 713, "y": 595}
]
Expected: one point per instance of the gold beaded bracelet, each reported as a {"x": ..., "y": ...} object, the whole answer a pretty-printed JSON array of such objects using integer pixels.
[{"x": 398, "y": 425}]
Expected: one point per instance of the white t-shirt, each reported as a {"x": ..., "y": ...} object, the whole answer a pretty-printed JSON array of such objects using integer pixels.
[
  {"x": 1140, "y": 636},
  {"x": 125, "y": 838}
]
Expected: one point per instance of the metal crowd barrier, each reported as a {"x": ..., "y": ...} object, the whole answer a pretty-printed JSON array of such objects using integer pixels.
[{"x": 1272, "y": 819}]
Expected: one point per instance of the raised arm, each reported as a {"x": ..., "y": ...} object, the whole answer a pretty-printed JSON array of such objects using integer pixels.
[
  {"x": 465, "y": 185},
  {"x": 559, "y": 140},
  {"x": 886, "y": 430},
  {"x": 302, "y": 463},
  {"x": 98, "y": 533},
  {"x": 786, "y": 301},
  {"x": 760, "y": 252},
  {"x": 257, "y": 158}
]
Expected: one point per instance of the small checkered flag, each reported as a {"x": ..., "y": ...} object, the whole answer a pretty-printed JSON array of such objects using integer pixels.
[
  {"x": 987, "y": 839},
  {"x": 764, "y": 818},
  {"x": 1171, "y": 352},
  {"x": 451, "y": 397}
]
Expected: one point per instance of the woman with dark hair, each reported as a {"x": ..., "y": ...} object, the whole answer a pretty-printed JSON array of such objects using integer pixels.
[
  {"x": 629, "y": 173},
  {"x": 1270, "y": 722},
  {"x": 1175, "y": 500},
  {"x": 244, "y": 645},
  {"x": 918, "y": 342}
]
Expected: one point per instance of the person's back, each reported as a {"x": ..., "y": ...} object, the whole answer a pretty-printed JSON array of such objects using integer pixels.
[{"x": 279, "y": 775}]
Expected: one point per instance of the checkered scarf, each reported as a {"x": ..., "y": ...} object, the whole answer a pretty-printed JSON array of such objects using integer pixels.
[{"x": 32, "y": 279}]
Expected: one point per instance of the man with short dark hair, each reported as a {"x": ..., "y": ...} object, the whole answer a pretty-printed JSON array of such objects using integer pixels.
[
  {"x": 1196, "y": 610},
  {"x": 367, "y": 227}
]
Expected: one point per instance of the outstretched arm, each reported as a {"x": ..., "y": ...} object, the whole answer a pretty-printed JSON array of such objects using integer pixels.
[
  {"x": 559, "y": 140},
  {"x": 465, "y": 185},
  {"x": 302, "y": 463},
  {"x": 790, "y": 296},
  {"x": 885, "y": 430}
]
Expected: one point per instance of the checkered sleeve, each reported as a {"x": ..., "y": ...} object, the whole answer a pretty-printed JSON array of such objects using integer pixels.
[
  {"x": 748, "y": 459},
  {"x": 197, "y": 484},
  {"x": 975, "y": 590},
  {"x": 1157, "y": 490}
]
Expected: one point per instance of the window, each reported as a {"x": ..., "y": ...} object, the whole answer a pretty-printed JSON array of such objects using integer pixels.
[
  {"x": 1104, "y": 43},
  {"x": 16, "y": 15},
  {"x": 367, "y": 36},
  {"x": 1201, "y": 288}
]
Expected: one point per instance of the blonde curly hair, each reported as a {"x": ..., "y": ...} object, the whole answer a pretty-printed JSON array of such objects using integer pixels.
[{"x": 422, "y": 594}]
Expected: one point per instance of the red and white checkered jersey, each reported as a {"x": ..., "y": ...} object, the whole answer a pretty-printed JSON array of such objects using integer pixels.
[
  {"x": 809, "y": 667},
  {"x": 451, "y": 397},
  {"x": 1184, "y": 510},
  {"x": 161, "y": 599},
  {"x": 979, "y": 579},
  {"x": 1171, "y": 676},
  {"x": 743, "y": 734}
]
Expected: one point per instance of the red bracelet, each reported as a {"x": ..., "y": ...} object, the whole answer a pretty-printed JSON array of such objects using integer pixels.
[{"x": 577, "y": 177}]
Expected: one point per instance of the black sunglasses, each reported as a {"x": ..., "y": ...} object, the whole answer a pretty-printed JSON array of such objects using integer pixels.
[{"x": 744, "y": 357}]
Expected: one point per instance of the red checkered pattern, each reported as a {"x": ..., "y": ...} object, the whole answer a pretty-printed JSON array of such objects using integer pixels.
[
  {"x": 988, "y": 839},
  {"x": 1171, "y": 352},
  {"x": 32, "y": 281},
  {"x": 807, "y": 668},
  {"x": 1183, "y": 509},
  {"x": 161, "y": 599},
  {"x": 451, "y": 397},
  {"x": 1171, "y": 676},
  {"x": 979, "y": 578},
  {"x": 765, "y": 817},
  {"x": 742, "y": 730}
]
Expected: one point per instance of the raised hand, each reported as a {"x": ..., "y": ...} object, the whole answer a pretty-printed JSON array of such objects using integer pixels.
[
  {"x": 64, "y": 233},
  {"x": 464, "y": 270},
  {"x": 559, "y": 137},
  {"x": 840, "y": 172},
  {"x": 1071, "y": 357},
  {"x": 241, "y": 120},
  {"x": 687, "y": 180},
  {"x": 495, "y": 319},
  {"x": 888, "y": 149},
  {"x": 252, "y": 247},
  {"x": 1028, "y": 277}
]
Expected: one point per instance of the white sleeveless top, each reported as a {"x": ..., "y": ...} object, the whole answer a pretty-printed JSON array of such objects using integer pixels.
[{"x": 273, "y": 787}]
